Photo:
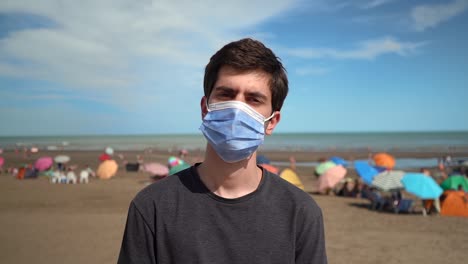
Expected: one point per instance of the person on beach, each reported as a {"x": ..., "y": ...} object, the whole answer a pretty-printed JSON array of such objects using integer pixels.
[{"x": 227, "y": 209}]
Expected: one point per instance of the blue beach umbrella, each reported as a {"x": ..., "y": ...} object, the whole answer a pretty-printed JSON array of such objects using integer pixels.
[
  {"x": 339, "y": 161},
  {"x": 261, "y": 159},
  {"x": 421, "y": 185},
  {"x": 365, "y": 171}
]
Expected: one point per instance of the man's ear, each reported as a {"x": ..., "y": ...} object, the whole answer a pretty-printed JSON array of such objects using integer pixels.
[
  {"x": 204, "y": 109},
  {"x": 270, "y": 126}
]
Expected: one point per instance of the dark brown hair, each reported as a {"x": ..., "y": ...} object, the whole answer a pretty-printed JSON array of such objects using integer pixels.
[{"x": 246, "y": 55}]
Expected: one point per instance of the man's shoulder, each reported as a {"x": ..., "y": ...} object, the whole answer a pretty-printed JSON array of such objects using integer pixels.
[
  {"x": 288, "y": 193},
  {"x": 162, "y": 189}
]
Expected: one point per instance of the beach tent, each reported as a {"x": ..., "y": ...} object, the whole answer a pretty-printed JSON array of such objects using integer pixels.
[
  {"x": 292, "y": 177},
  {"x": 107, "y": 169},
  {"x": 454, "y": 204}
]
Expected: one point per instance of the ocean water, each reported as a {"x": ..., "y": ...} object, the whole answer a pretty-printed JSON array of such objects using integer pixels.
[
  {"x": 413, "y": 141},
  {"x": 408, "y": 141}
]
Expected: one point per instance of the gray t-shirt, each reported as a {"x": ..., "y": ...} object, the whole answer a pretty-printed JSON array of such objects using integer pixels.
[{"x": 178, "y": 220}]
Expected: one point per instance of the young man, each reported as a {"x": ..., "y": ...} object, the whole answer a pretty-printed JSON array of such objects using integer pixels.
[{"x": 227, "y": 209}]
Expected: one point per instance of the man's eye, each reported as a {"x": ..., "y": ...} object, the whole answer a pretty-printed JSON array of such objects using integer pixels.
[{"x": 255, "y": 100}]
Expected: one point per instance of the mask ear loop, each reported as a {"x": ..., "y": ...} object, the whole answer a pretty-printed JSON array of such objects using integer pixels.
[{"x": 269, "y": 118}]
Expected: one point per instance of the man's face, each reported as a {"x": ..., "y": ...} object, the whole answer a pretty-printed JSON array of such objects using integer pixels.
[{"x": 249, "y": 87}]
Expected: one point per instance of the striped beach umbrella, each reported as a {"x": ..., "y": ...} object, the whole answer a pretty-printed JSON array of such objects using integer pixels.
[{"x": 389, "y": 180}]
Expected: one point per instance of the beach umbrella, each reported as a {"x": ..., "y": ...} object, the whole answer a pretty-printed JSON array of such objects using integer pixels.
[
  {"x": 155, "y": 168},
  {"x": 174, "y": 161},
  {"x": 421, "y": 185},
  {"x": 292, "y": 177},
  {"x": 339, "y": 161},
  {"x": 104, "y": 157},
  {"x": 384, "y": 160},
  {"x": 178, "y": 168},
  {"x": 2, "y": 160},
  {"x": 262, "y": 159},
  {"x": 324, "y": 166},
  {"x": 62, "y": 159},
  {"x": 270, "y": 168},
  {"x": 365, "y": 171},
  {"x": 43, "y": 163},
  {"x": 107, "y": 169},
  {"x": 452, "y": 183},
  {"x": 388, "y": 180},
  {"x": 109, "y": 151},
  {"x": 331, "y": 177}
]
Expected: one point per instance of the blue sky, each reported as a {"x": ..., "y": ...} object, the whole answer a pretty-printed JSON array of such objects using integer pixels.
[{"x": 136, "y": 67}]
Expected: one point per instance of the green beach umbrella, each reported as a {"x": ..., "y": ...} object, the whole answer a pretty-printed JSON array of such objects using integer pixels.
[
  {"x": 452, "y": 183},
  {"x": 324, "y": 166},
  {"x": 178, "y": 168}
]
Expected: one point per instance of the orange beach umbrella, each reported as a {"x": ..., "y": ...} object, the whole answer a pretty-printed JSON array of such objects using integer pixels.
[
  {"x": 107, "y": 169},
  {"x": 384, "y": 160}
]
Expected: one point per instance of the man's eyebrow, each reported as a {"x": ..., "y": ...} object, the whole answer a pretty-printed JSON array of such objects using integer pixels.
[
  {"x": 257, "y": 95},
  {"x": 223, "y": 89}
]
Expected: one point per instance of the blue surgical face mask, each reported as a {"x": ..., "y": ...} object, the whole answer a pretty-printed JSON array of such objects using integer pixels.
[{"x": 234, "y": 129}]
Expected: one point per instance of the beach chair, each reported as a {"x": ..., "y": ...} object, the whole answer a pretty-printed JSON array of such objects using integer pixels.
[
  {"x": 71, "y": 177},
  {"x": 84, "y": 176},
  {"x": 403, "y": 206}
]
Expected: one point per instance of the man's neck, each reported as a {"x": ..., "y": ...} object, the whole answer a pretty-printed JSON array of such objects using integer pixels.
[{"x": 229, "y": 180}]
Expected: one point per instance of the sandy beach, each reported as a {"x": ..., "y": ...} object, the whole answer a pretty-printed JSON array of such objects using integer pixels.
[{"x": 83, "y": 223}]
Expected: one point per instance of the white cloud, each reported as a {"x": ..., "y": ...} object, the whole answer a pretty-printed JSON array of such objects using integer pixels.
[
  {"x": 427, "y": 16},
  {"x": 118, "y": 46},
  {"x": 375, "y": 3},
  {"x": 366, "y": 50}
]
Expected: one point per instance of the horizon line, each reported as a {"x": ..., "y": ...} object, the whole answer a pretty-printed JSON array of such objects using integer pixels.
[{"x": 281, "y": 133}]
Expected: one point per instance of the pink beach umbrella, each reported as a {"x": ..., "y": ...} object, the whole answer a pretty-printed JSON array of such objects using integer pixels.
[
  {"x": 156, "y": 169},
  {"x": 331, "y": 177},
  {"x": 43, "y": 163},
  {"x": 2, "y": 160}
]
